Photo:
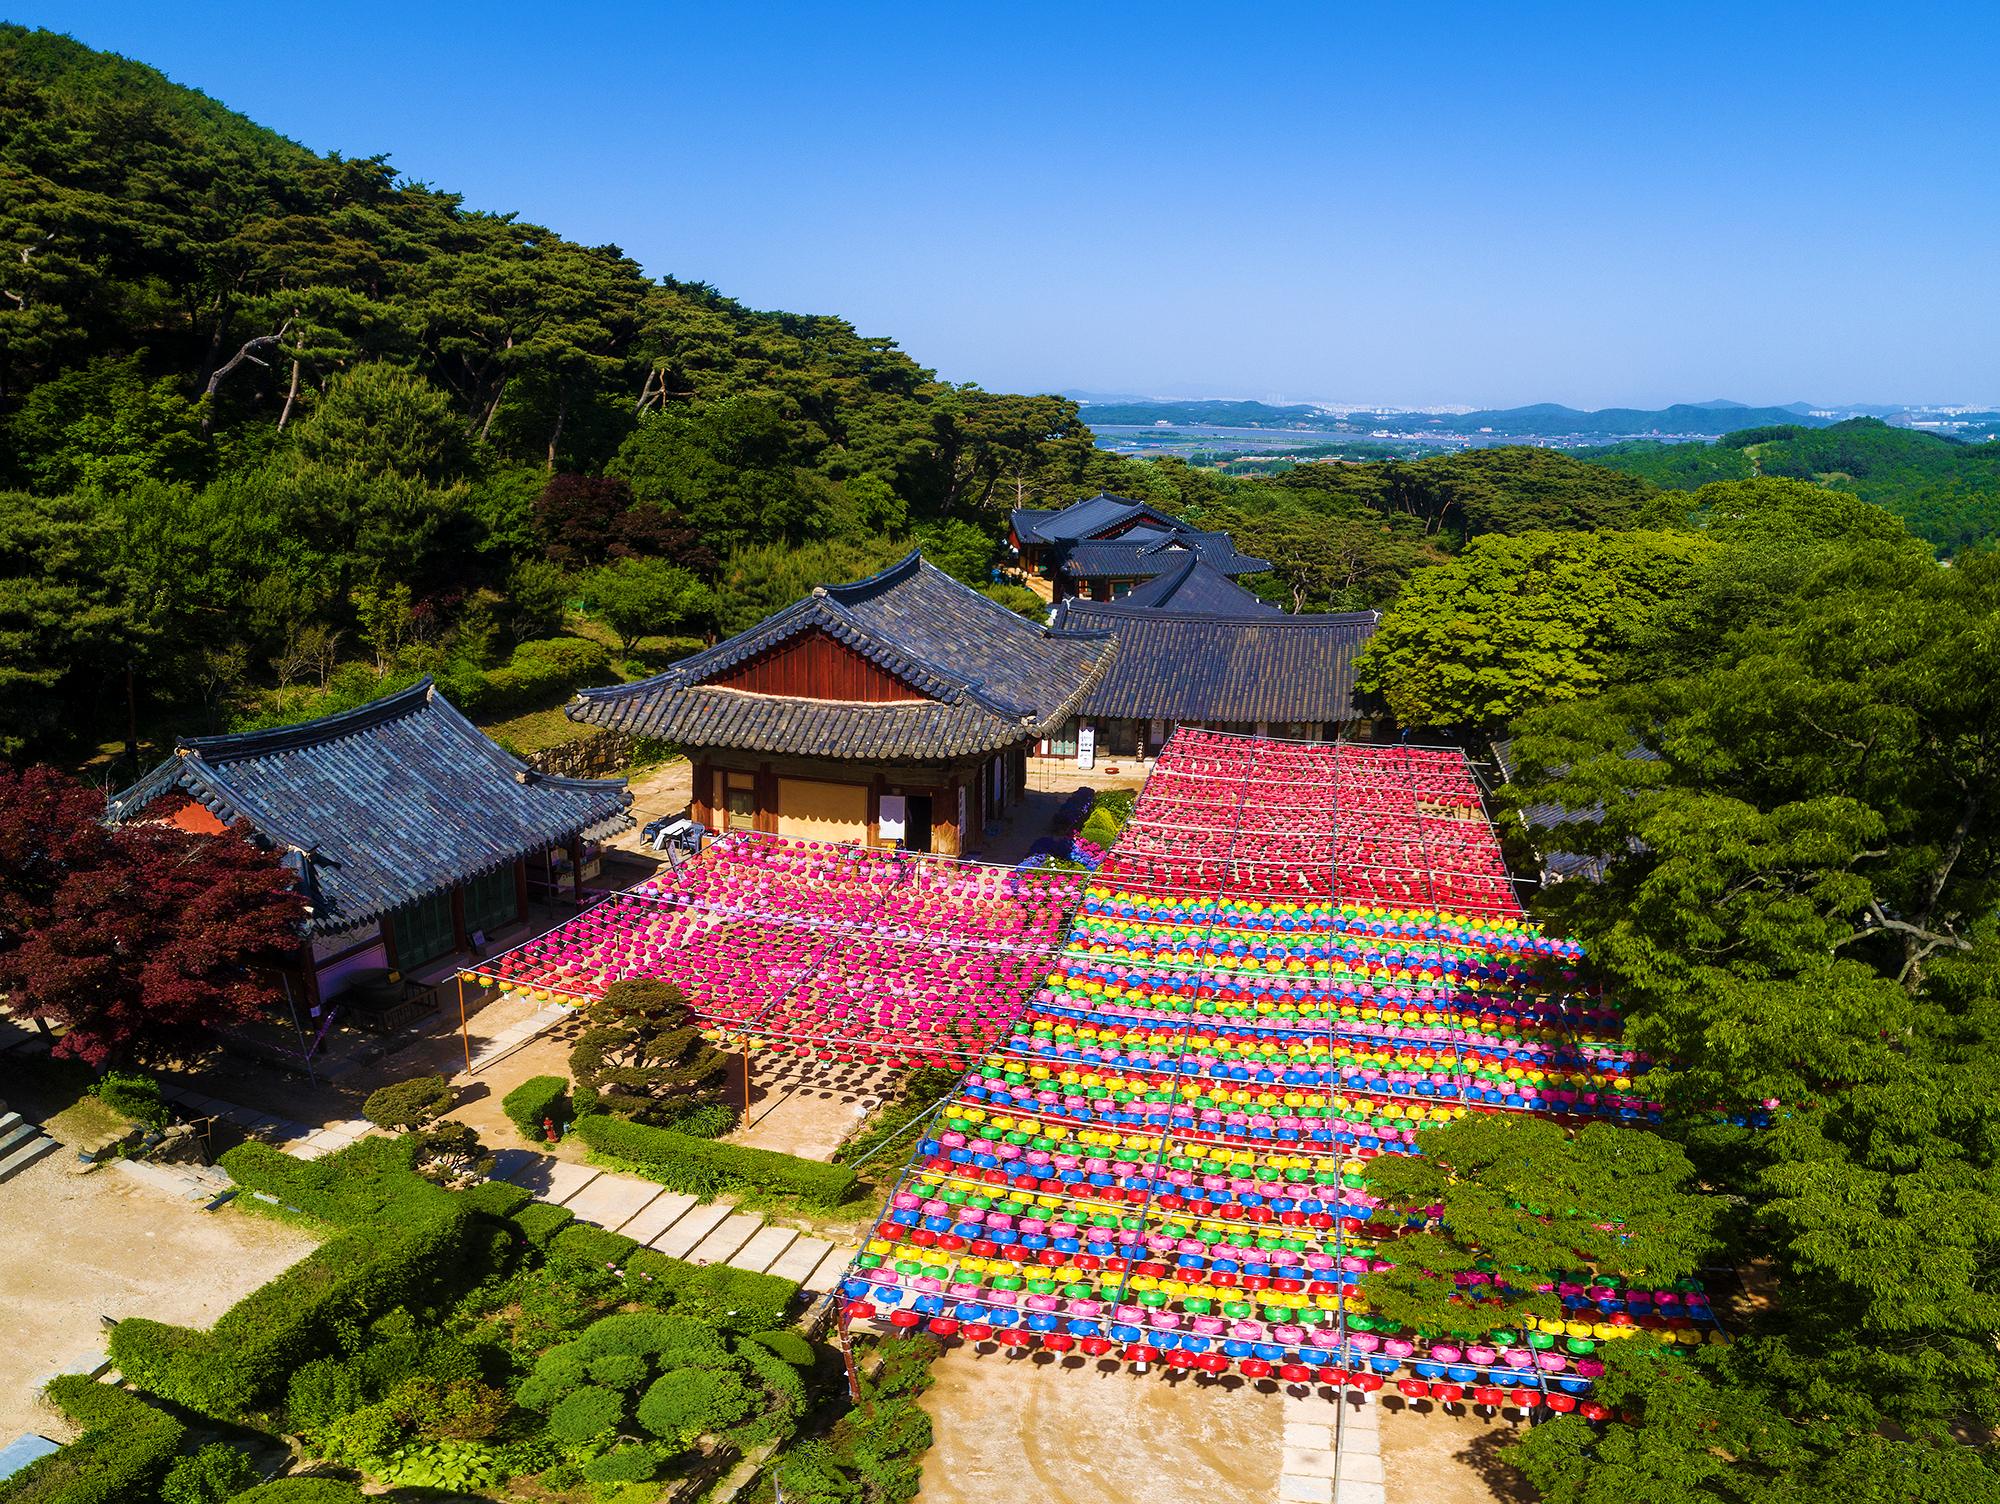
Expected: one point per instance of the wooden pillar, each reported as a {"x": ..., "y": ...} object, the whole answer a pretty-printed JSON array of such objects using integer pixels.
[
  {"x": 460, "y": 940},
  {"x": 389, "y": 942},
  {"x": 576, "y": 868},
  {"x": 946, "y": 820},
  {"x": 767, "y": 799},
  {"x": 521, "y": 889},
  {"x": 700, "y": 809},
  {"x": 876, "y": 786}
]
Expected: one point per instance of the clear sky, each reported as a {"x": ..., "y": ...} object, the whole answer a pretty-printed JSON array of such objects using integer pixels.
[{"x": 1486, "y": 203}]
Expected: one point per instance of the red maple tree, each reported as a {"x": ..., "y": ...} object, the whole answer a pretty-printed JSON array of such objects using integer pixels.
[{"x": 137, "y": 940}]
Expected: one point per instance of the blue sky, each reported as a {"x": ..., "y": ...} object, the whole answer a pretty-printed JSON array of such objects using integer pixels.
[{"x": 1491, "y": 204}]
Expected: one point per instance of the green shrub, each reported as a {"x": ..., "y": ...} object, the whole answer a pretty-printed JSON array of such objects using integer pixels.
[
  {"x": 581, "y": 1247},
  {"x": 661, "y": 1149},
  {"x": 619, "y": 1371},
  {"x": 407, "y": 1104},
  {"x": 302, "y": 1491},
  {"x": 437, "y": 1356},
  {"x": 627, "y": 1464},
  {"x": 736, "y": 1300},
  {"x": 534, "y": 1099},
  {"x": 121, "y": 1458},
  {"x": 558, "y": 1373},
  {"x": 684, "y": 1402},
  {"x": 217, "y": 1472},
  {"x": 446, "y": 1466},
  {"x": 543, "y": 672},
  {"x": 790, "y": 1346},
  {"x": 321, "y": 1393},
  {"x": 134, "y": 1095},
  {"x": 496, "y": 1198},
  {"x": 301, "y": 1315},
  {"x": 371, "y": 1180},
  {"x": 540, "y": 1222},
  {"x": 1099, "y": 829},
  {"x": 585, "y": 1414}
]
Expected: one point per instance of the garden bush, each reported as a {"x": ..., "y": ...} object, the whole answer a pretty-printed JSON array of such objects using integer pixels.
[
  {"x": 215, "y": 1473},
  {"x": 133, "y": 1095},
  {"x": 661, "y": 1149},
  {"x": 450, "y": 1155},
  {"x": 685, "y": 1402},
  {"x": 581, "y": 1246},
  {"x": 282, "y": 1326},
  {"x": 321, "y": 1393},
  {"x": 542, "y": 672},
  {"x": 790, "y": 1346},
  {"x": 540, "y": 1222},
  {"x": 585, "y": 1414},
  {"x": 733, "y": 1300},
  {"x": 626, "y": 1464},
  {"x": 618, "y": 1371},
  {"x": 534, "y": 1099},
  {"x": 123, "y": 1454},
  {"x": 302, "y": 1491},
  {"x": 371, "y": 1180},
  {"x": 496, "y": 1198},
  {"x": 559, "y": 1372},
  {"x": 644, "y": 1056},
  {"x": 407, "y": 1104}
]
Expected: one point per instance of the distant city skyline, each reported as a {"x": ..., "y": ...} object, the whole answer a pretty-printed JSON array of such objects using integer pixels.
[{"x": 1454, "y": 206}]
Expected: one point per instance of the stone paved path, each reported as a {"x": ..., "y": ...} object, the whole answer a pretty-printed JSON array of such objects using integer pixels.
[{"x": 676, "y": 1224}]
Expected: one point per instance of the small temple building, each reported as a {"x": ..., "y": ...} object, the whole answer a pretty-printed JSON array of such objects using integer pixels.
[
  {"x": 1196, "y": 649},
  {"x": 414, "y": 835},
  {"x": 898, "y": 709},
  {"x": 1104, "y": 546}
]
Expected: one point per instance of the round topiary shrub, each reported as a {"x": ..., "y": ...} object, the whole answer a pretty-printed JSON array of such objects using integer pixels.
[
  {"x": 619, "y": 1371},
  {"x": 633, "y": 1464},
  {"x": 585, "y": 1414},
  {"x": 682, "y": 1404},
  {"x": 790, "y": 1346},
  {"x": 407, "y": 1104},
  {"x": 559, "y": 1372},
  {"x": 301, "y": 1491}
]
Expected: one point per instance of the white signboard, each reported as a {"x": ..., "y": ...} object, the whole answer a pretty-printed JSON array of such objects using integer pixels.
[
  {"x": 1086, "y": 747},
  {"x": 890, "y": 822}
]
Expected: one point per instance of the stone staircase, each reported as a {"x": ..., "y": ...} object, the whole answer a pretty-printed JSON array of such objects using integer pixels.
[
  {"x": 21, "y": 1144},
  {"x": 676, "y": 1224},
  {"x": 202, "y": 1184}
]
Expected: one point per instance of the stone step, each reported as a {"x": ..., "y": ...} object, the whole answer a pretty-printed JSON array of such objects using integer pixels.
[
  {"x": 16, "y": 1134},
  {"x": 828, "y": 1270},
  {"x": 9, "y": 1119},
  {"x": 27, "y": 1154},
  {"x": 801, "y": 1259},
  {"x": 762, "y": 1251},
  {"x": 730, "y": 1235},
  {"x": 610, "y": 1201},
  {"x": 678, "y": 1241},
  {"x": 657, "y": 1216}
]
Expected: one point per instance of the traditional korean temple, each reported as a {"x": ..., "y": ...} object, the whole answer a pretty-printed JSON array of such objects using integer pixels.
[
  {"x": 1104, "y": 546},
  {"x": 414, "y": 835},
  {"x": 1191, "y": 653},
  {"x": 896, "y": 709}
]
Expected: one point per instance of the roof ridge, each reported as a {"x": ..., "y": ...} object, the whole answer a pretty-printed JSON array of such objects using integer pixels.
[{"x": 389, "y": 707}]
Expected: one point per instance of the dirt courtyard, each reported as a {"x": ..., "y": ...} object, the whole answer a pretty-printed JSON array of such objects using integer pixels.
[
  {"x": 1085, "y": 1432},
  {"x": 74, "y": 1247},
  {"x": 1432, "y": 1456}
]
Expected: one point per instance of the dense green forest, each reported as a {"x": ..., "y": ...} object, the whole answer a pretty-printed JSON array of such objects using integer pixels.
[{"x": 1946, "y": 490}]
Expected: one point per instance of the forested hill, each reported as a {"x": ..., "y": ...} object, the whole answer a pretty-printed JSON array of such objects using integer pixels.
[
  {"x": 1947, "y": 491},
  {"x": 267, "y": 415}
]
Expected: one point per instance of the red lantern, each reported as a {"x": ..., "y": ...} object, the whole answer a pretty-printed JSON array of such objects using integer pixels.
[
  {"x": 1255, "y": 1368},
  {"x": 1487, "y": 1395},
  {"x": 1212, "y": 1363},
  {"x": 1096, "y": 1347},
  {"x": 1141, "y": 1353},
  {"x": 1522, "y": 1399},
  {"x": 860, "y": 1310},
  {"x": 1562, "y": 1404},
  {"x": 1415, "y": 1389},
  {"x": 1367, "y": 1383},
  {"x": 1450, "y": 1394},
  {"x": 975, "y": 1331},
  {"x": 904, "y": 1319},
  {"x": 1295, "y": 1373},
  {"x": 1591, "y": 1410},
  {"x": 943, "y": 1326}
]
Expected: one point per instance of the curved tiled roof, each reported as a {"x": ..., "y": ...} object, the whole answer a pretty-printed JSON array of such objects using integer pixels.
[
  {"x": 1082, "y": 519},
  {"x": 1122, "y": 559},
  {"x": 381, "y": 805},
  {"x": 1193, "y": 588},
  {"x": 1238, "y": 669},
  {"x": 991, "y": 678}
]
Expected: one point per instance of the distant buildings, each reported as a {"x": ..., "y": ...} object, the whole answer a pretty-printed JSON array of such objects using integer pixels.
[{"x": 1103, "y": 546}]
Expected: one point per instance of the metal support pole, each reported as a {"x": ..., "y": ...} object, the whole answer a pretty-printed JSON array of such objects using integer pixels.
[{"x": 464, "y": 1034}]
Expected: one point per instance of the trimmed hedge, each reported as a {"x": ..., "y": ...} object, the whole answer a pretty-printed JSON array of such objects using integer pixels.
[
  {"x": 371, "y": 1180},
  {"x": 759, "y": 1169},
  {"x": 731, "y": 1300},
  {"x": 495, "y": 1198},
  {"x": 584, "y": 1247},
  {"x": 125, "y": 1450},
  {"x": 280, "y": 1327},
  {"x": 536, "y": 1098},
  {"x": 539, "y": 1222}
]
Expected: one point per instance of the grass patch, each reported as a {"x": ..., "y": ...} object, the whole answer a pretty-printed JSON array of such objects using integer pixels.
[{"x": 88, "y": 1122}]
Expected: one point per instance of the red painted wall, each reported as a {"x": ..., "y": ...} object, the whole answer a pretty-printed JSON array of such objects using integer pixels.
[{"x": 815, "y": 666}]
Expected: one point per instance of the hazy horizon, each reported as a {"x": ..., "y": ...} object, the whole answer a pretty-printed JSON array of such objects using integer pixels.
[{"x": 1458, "y": 206}]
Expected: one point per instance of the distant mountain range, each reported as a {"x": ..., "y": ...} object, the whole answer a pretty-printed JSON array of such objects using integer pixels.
[{"x": 1548, "y": 420}]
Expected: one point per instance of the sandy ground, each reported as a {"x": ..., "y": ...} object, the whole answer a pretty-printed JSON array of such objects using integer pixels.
[
  {"x": 807, "y": 1107},
  {"x": 662, "y": 789},
  {"x": 1434, "y": 1456},
  {"x": 1082, "y": 1432},
  {"x": 74, "y": 1246}
]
